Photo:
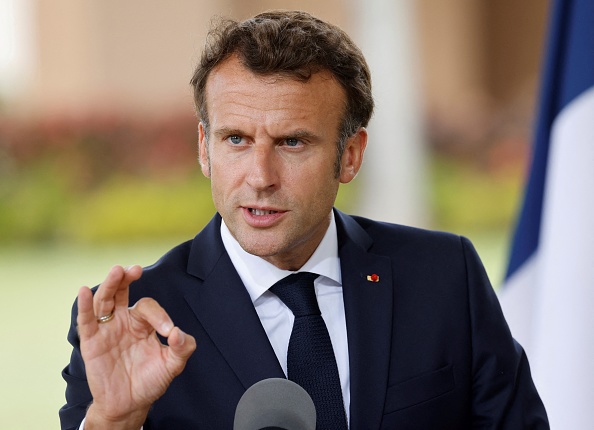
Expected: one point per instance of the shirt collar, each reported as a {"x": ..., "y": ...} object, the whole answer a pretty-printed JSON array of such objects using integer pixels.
[{"x": 258, "y": 275}]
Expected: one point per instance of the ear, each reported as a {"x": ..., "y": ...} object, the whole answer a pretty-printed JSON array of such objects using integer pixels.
[
  {"x": 352, "y": 157},
  {"x": 203, "y": 150}
]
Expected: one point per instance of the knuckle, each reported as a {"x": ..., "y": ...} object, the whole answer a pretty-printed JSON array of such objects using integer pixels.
[{"x": 145, "y": 303}]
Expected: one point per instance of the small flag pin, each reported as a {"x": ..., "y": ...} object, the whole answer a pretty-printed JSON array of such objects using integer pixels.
[{"x": 373, "y": 278}]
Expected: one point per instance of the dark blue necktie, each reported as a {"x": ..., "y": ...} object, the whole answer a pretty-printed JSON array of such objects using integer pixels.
[{"x": 310, "y": 359}]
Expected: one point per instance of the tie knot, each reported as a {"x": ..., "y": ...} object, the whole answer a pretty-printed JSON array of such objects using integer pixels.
[{"x": 298, "y": 293}]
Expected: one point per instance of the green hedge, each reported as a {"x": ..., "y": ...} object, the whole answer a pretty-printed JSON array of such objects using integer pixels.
[
  {"x": 42, "y": 205},
  {"x": 465, "y": 197}
]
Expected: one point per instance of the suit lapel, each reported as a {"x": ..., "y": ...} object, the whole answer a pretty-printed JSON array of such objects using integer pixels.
[
  {"x": 368, "y": 309},
  {"x": 225, "y": 310}
]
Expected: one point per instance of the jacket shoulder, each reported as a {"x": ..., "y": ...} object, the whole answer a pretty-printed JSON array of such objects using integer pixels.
[{"x": 395, "y": 236}]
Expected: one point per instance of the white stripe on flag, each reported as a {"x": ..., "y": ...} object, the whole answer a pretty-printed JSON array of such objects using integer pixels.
[{"x": 559, "y": 333}]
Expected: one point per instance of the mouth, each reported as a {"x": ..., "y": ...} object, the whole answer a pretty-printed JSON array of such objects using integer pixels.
[
  {"x": 261, "y": 212},
  {"x": 262, "y": 218}
]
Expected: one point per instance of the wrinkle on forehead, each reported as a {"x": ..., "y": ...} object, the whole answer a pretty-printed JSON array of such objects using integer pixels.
[
  {"x": 234, "y": 93},
  {"x": 234, "y": 63}
]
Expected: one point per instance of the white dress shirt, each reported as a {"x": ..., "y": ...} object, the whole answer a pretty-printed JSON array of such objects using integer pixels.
[{"x": 277, "y": 319}]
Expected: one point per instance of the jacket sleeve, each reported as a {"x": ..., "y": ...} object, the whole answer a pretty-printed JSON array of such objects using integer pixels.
[
  {"x": 78, "y": 395},
  {"x": 504, "y": 395}
]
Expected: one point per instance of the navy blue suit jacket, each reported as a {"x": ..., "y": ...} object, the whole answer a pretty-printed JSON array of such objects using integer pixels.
[{"x": 428, "y": 345}]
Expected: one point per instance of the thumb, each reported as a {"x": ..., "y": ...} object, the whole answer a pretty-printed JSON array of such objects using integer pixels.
[{"x": 181, "y": 347}]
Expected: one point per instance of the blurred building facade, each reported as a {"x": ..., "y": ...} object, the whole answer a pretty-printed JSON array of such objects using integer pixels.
[
  {"x": 113, "y": 77},
  {"x": 132, "y": 57},
  {"x": 138, "y": 56},
  {"x": 481, "y": 63}
]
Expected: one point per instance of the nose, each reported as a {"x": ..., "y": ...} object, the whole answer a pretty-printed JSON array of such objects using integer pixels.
[{"x": 263, "y": 173}]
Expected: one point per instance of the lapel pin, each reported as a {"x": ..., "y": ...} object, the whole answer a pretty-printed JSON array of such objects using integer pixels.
[{"x": 373, "y": 278}]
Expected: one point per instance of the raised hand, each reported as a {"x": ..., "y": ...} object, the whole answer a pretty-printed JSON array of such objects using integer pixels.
[{"x": 127, "y": 366}]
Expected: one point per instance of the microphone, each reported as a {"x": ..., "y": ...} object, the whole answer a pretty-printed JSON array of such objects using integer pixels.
[{"x": 275, "y": 403}]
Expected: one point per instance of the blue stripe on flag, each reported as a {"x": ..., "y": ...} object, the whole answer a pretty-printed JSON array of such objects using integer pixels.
[{"x": 568, "y": 72}]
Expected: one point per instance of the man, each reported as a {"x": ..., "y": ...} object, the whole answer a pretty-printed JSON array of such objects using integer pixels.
[{"x": 417, "y": 335}]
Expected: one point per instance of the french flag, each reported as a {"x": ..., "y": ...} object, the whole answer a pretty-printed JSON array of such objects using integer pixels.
[{"x": 548, "y": 294}]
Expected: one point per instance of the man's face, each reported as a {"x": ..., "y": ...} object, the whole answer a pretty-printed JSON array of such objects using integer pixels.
[{"x": 270, "y": 157}]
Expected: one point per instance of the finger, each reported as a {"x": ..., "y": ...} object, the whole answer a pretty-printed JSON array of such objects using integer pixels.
[
  {"x": 148, "y": 313},
  {"x": 113, "y": 291},
  {"x": 86, "y": 320},
  {"x": 131, "y": 274},
  {"x": 181, "y": 347},
  {"x": 104, "y": 299}
]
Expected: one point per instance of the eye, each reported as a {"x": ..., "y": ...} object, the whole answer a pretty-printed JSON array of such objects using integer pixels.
[
  {"x": 235, "y": 139},
  {"x": 292, "y": 142}
]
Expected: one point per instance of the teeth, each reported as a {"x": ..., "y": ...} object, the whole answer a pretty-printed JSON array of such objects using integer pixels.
[{"x": 259, "y": 212}]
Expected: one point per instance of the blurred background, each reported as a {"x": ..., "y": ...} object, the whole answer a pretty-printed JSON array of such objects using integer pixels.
[{"x": 98, "y": 145}]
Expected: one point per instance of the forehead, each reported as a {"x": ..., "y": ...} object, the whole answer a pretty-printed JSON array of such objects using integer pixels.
[{"x": 232, "y": 89}]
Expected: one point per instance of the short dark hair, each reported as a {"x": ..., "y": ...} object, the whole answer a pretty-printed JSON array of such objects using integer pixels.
[{"x": 295, "y": 44}]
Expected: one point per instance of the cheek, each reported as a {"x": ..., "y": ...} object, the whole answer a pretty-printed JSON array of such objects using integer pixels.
[
  {"x": 221, "y": 194},
  {"x": 320, "y": 186},
  {"x": 224, "y": 179}
]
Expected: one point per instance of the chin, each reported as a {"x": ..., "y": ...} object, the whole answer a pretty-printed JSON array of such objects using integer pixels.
[{"x": 259, "y": 250}]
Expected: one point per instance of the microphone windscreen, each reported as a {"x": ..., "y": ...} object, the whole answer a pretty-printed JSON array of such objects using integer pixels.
[{"x": 276, "y": 403}]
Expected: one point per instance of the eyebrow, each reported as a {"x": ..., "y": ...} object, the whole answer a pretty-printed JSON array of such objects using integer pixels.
[
  {"x": 299, "y": 134},
  {"x": 225, "y": 131}
]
